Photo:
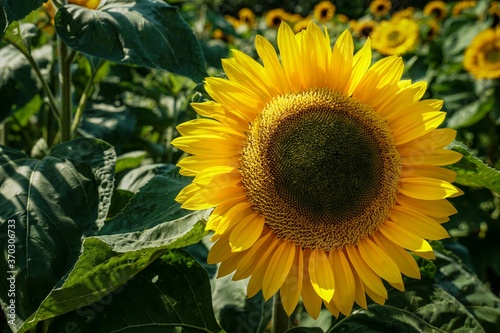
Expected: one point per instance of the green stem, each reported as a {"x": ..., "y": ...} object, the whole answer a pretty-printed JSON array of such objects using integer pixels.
[
  {"x": 64, "y": 90},
  {"x": 39, "y": 75},
  {"x": 83, "y": 100},
  {"x": 281, "y": 321}
]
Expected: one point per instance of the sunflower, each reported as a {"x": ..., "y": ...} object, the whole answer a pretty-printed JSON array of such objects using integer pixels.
[
  {"x": 323, "y": 171},
  {"x": 395, "y": 36},
  {"x": 324, "y": 11},
  {"x": 274, "y": 17},
  {"x": 247, "y": 16},
  {"x": 482, "y": 57},
  {"x": 436, "y": 9},
  {"x": 380, "y": 8},
  {"x": 461, "y": 6},
  {"x": 494, "y": 11},
  {"x": 363, "y": 28}
]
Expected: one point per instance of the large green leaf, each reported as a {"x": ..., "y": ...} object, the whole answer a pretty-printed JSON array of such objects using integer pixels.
[
  {"x": 173, "y": 293},
  {"x": 147, "y": 33},
  {"x": 13, "y": 10},
  {"x": 54, "y": 202},
  {"x": 150, "y": 224},
  {"x": 471, "y": 171}
]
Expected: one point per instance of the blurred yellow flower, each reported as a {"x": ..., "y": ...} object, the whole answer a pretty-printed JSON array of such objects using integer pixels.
[
  {"x": 324, "y": 11},
  {"x": 274, "y": 17},
  {"x": 405, "y": 13},
  {"x": 482, "y": 57},
  {"x": 436, "y": 9},
  {"x": 301, "y": 25},
  {"x": 362, "y": 28},
  {"x": 247, "y": 16},
  {"x": 380, "y": 8},
  {"x": 395, "y": 36},
  {"x": 461, "y": 6}
]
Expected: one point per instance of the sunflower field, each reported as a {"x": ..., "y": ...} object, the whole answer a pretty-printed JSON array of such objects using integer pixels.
[{"x": 249, "y": 166}]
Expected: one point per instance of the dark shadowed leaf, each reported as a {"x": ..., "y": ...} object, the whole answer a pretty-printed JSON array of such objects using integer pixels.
[
  {"x": 146, "y": 33},
  {"x": 55, "y": 202},
  {"x": 173, "y": 293},
  {"x": 149, "y": 225},
  {"x": 14, "y": 10}
]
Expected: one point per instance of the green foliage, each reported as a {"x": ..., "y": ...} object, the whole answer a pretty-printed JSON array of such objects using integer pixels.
[
  {"x": 142, "y": 33},
  {"x": 471, "y": 171}
]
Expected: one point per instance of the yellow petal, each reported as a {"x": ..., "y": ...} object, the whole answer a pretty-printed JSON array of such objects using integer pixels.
[
  {"x": 360, "y": 64},
  {"x": 344, "y": 280},
  {"x": 434, "y": 208},
  {"x": 202, "y": 126},
  {"x": 192, "y": 165},
  {"x": 426, "y": 188},
  {"x": 246, "y": 232},
  {"x": 379, "y": 261},
  {"x": 416, "y": 125},
  {"x": 256, "y": 281},
  {"x": 428, "y": 172},
  {"x": 272, "y": 65},
  {"x": 233, "y": 119},
  {"x": 404, "y": 238},
  {"x": 312, "y": 301},
  {"x": 210, "y": 145},
  {"x": 290, "y": 57},
  {"x": 406, "y": 263},
  {"x": 439, "y": 138},
  {"x": 385, "y": 72},
  {"x": 252, "y": 256},
  {"x": 238, "y": 73},
  {"x": 341, "y": 62},
  {"x": 321, "y": 275},
  {"x": 233, "y": 216},
  {"x": 403, "y": 102},
  {"x": 204, "y": 199},
  {"x": 367, "y": 275},
  {"x": 418, "y": 223},
  {"x": 292, "y": 287},
  {"x": 437, "y": 157},
  {"x": 278, "y": 268}
]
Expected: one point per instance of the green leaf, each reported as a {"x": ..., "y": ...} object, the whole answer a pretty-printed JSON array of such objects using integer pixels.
[
  {"x": 111, "y": 122},
  {"x": 55, "y": 202},
  {"x": 14, "y": 10},
  {"x": 471, "y": 171},
  {"x": 472, "y": 113},
  {"x": 130, "y": 160},
  {"x": 172, "y": 293},
  {"x": 465, "y": 286},
  {"x": 128, "y": 243},
  {"x": 145, "y": 33},
  {"x": 133, "y": 180}
]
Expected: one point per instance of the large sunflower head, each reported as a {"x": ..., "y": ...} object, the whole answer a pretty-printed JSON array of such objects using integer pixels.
[
  {"x": 324, "y": 11},
  {"x": 436, "y": 9},
  {"x": 324, "y": 171},
  {"x": 395, "y": 37},
  {"x": 380, "y": 8},
  {"x": 482, "y": 57}
]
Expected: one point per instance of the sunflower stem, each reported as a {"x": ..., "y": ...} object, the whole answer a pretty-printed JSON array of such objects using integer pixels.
[{"x": 281, "y": 321}]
